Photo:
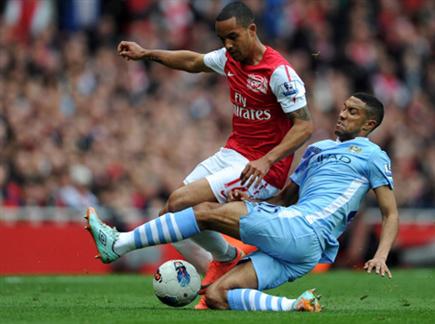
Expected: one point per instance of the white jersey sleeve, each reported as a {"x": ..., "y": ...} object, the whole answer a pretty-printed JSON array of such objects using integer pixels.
[
  {"x": 216, "y": 60},
  {"x": 288, "y": 88}
]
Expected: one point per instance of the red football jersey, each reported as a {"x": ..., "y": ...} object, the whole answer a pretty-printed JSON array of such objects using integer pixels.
[{"x": 261, "y": 95}]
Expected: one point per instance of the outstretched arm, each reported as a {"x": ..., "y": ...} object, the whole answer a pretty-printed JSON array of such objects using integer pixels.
[
  {"x": 390, "y": 227},
  {"x": 179, "y": 60},
  {"x": 295, "y": 137}
]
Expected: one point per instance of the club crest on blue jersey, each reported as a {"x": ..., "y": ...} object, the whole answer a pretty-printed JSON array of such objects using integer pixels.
[
  {"x": 355, "y": 149},
  {"x": 289, "y": 88},
  {"x": 183, "y": 276}
]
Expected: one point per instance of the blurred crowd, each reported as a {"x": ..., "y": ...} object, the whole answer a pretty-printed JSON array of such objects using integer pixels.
[{"x": 80, "y": 126}]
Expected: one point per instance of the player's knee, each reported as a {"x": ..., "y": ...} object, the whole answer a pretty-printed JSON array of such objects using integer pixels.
[
  {"x": 202, "y": 213},
  {"x": 204, "y": 207},
  {"x": 177, "y": 200},
  {"x": 215, "y": 297}
]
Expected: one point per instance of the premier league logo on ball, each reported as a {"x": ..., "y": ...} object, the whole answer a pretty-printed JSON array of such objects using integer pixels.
[{"x": 183, "y": 276}]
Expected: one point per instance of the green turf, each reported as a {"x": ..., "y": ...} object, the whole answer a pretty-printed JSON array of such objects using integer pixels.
[{"x": 349, "y": 297}]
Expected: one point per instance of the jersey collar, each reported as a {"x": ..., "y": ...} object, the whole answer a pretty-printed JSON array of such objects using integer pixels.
[{"x": 356, "y": 138}]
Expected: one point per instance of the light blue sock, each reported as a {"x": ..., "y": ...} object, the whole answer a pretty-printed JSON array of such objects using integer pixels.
[
  {"x": 170, "y": 227},
  {"x": 255, "y": 300}
]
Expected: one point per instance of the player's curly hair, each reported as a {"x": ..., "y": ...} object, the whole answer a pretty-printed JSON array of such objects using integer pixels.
[
  {"x": 242, "y": 13},
  {"x": 375, "y": 107}
]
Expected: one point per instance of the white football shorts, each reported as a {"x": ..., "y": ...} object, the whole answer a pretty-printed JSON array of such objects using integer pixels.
[{"x": 222, "y": 171}]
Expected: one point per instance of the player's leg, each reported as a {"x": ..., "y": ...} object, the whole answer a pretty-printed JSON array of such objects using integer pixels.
[
  {"x": 218, "y": 175},
  {"x": 221, "y": 183},
  {"x": 190, "y": 195},
  {"x": 211, "y": 180},
  {"x": 193, "y": 194},
  {"x": 222, "y": 172},
  {"x": 223, "y": 218},
  {"x": 238, "y": 290},
  {"x": 220, "y": 220},
  {"x": 167, "y": 228},
  {"x": 195, "y": 254},
  {"x": 289, "y": 249},
  {"x": 191, "y": 251},
  {"x": 206, "y": 246}
]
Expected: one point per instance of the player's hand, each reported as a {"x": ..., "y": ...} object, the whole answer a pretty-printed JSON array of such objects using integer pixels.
[
  {"x": 237, "y": 195},
  {"x": 130, "y": 50},
  {"x": 379, "y": 265},
  {"x": 254, "y": 172}
]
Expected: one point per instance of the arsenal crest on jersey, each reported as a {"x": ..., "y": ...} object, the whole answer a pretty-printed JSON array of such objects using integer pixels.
[{"x": 257, "y": 83}]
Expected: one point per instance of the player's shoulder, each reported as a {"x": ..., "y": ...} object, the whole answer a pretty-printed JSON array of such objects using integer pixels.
[
  {"x": 219, "y": 52},
  {"x": 365, "y": 141},
  {"x": 274, "y": 59},
  {"x": 282, "y": 71},
  {"x": 379, "y": 160},
  {"x": 372, "y": 149},
  {"x": 273, "y": 53},
  {"x": 317, "y": 147}
]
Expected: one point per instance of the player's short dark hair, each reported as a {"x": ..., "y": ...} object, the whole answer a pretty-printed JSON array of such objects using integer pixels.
[
  {"x": 375, "y": 108},
  {"x": 243, "y": 14}
]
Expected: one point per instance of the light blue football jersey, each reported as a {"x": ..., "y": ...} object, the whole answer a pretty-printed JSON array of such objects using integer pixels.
[{"x": 333, "y": 178}]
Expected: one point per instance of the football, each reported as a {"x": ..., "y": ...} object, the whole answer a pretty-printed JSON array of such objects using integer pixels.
[{"x": 176, "y": 283}]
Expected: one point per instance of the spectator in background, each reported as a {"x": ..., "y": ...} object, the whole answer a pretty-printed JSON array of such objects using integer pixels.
[
  {"x": 62, "y": 101},
  {"x": 74, "y": 191}
]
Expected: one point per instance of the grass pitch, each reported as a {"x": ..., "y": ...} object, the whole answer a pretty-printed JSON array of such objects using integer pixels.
[{"x": 348, "y": 297}]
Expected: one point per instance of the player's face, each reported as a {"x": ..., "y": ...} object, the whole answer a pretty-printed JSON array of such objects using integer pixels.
[
  {"x": 237, "y": 39},
  {"x": 353, "y": 120}
]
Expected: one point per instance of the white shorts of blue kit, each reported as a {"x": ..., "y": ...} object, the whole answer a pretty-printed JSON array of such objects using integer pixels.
[{"x": 288, "y": 248}]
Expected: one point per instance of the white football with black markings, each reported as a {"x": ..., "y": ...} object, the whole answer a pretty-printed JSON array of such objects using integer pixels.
[{"x": 176, "y": 283}]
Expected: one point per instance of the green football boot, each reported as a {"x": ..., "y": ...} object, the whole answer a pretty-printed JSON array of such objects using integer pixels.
[
  {"x": 307, "y": 302},
  {"x": 104, "y": 236}
]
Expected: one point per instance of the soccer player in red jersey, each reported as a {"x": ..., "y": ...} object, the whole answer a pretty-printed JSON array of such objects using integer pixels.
[{"x": 270, "y": 122}]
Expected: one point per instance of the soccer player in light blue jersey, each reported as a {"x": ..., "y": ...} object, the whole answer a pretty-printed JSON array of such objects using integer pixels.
[{"x": 323, "y": 195}]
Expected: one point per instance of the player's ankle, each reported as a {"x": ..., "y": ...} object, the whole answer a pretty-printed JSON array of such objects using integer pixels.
[{"x": 124, "y": 243}]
